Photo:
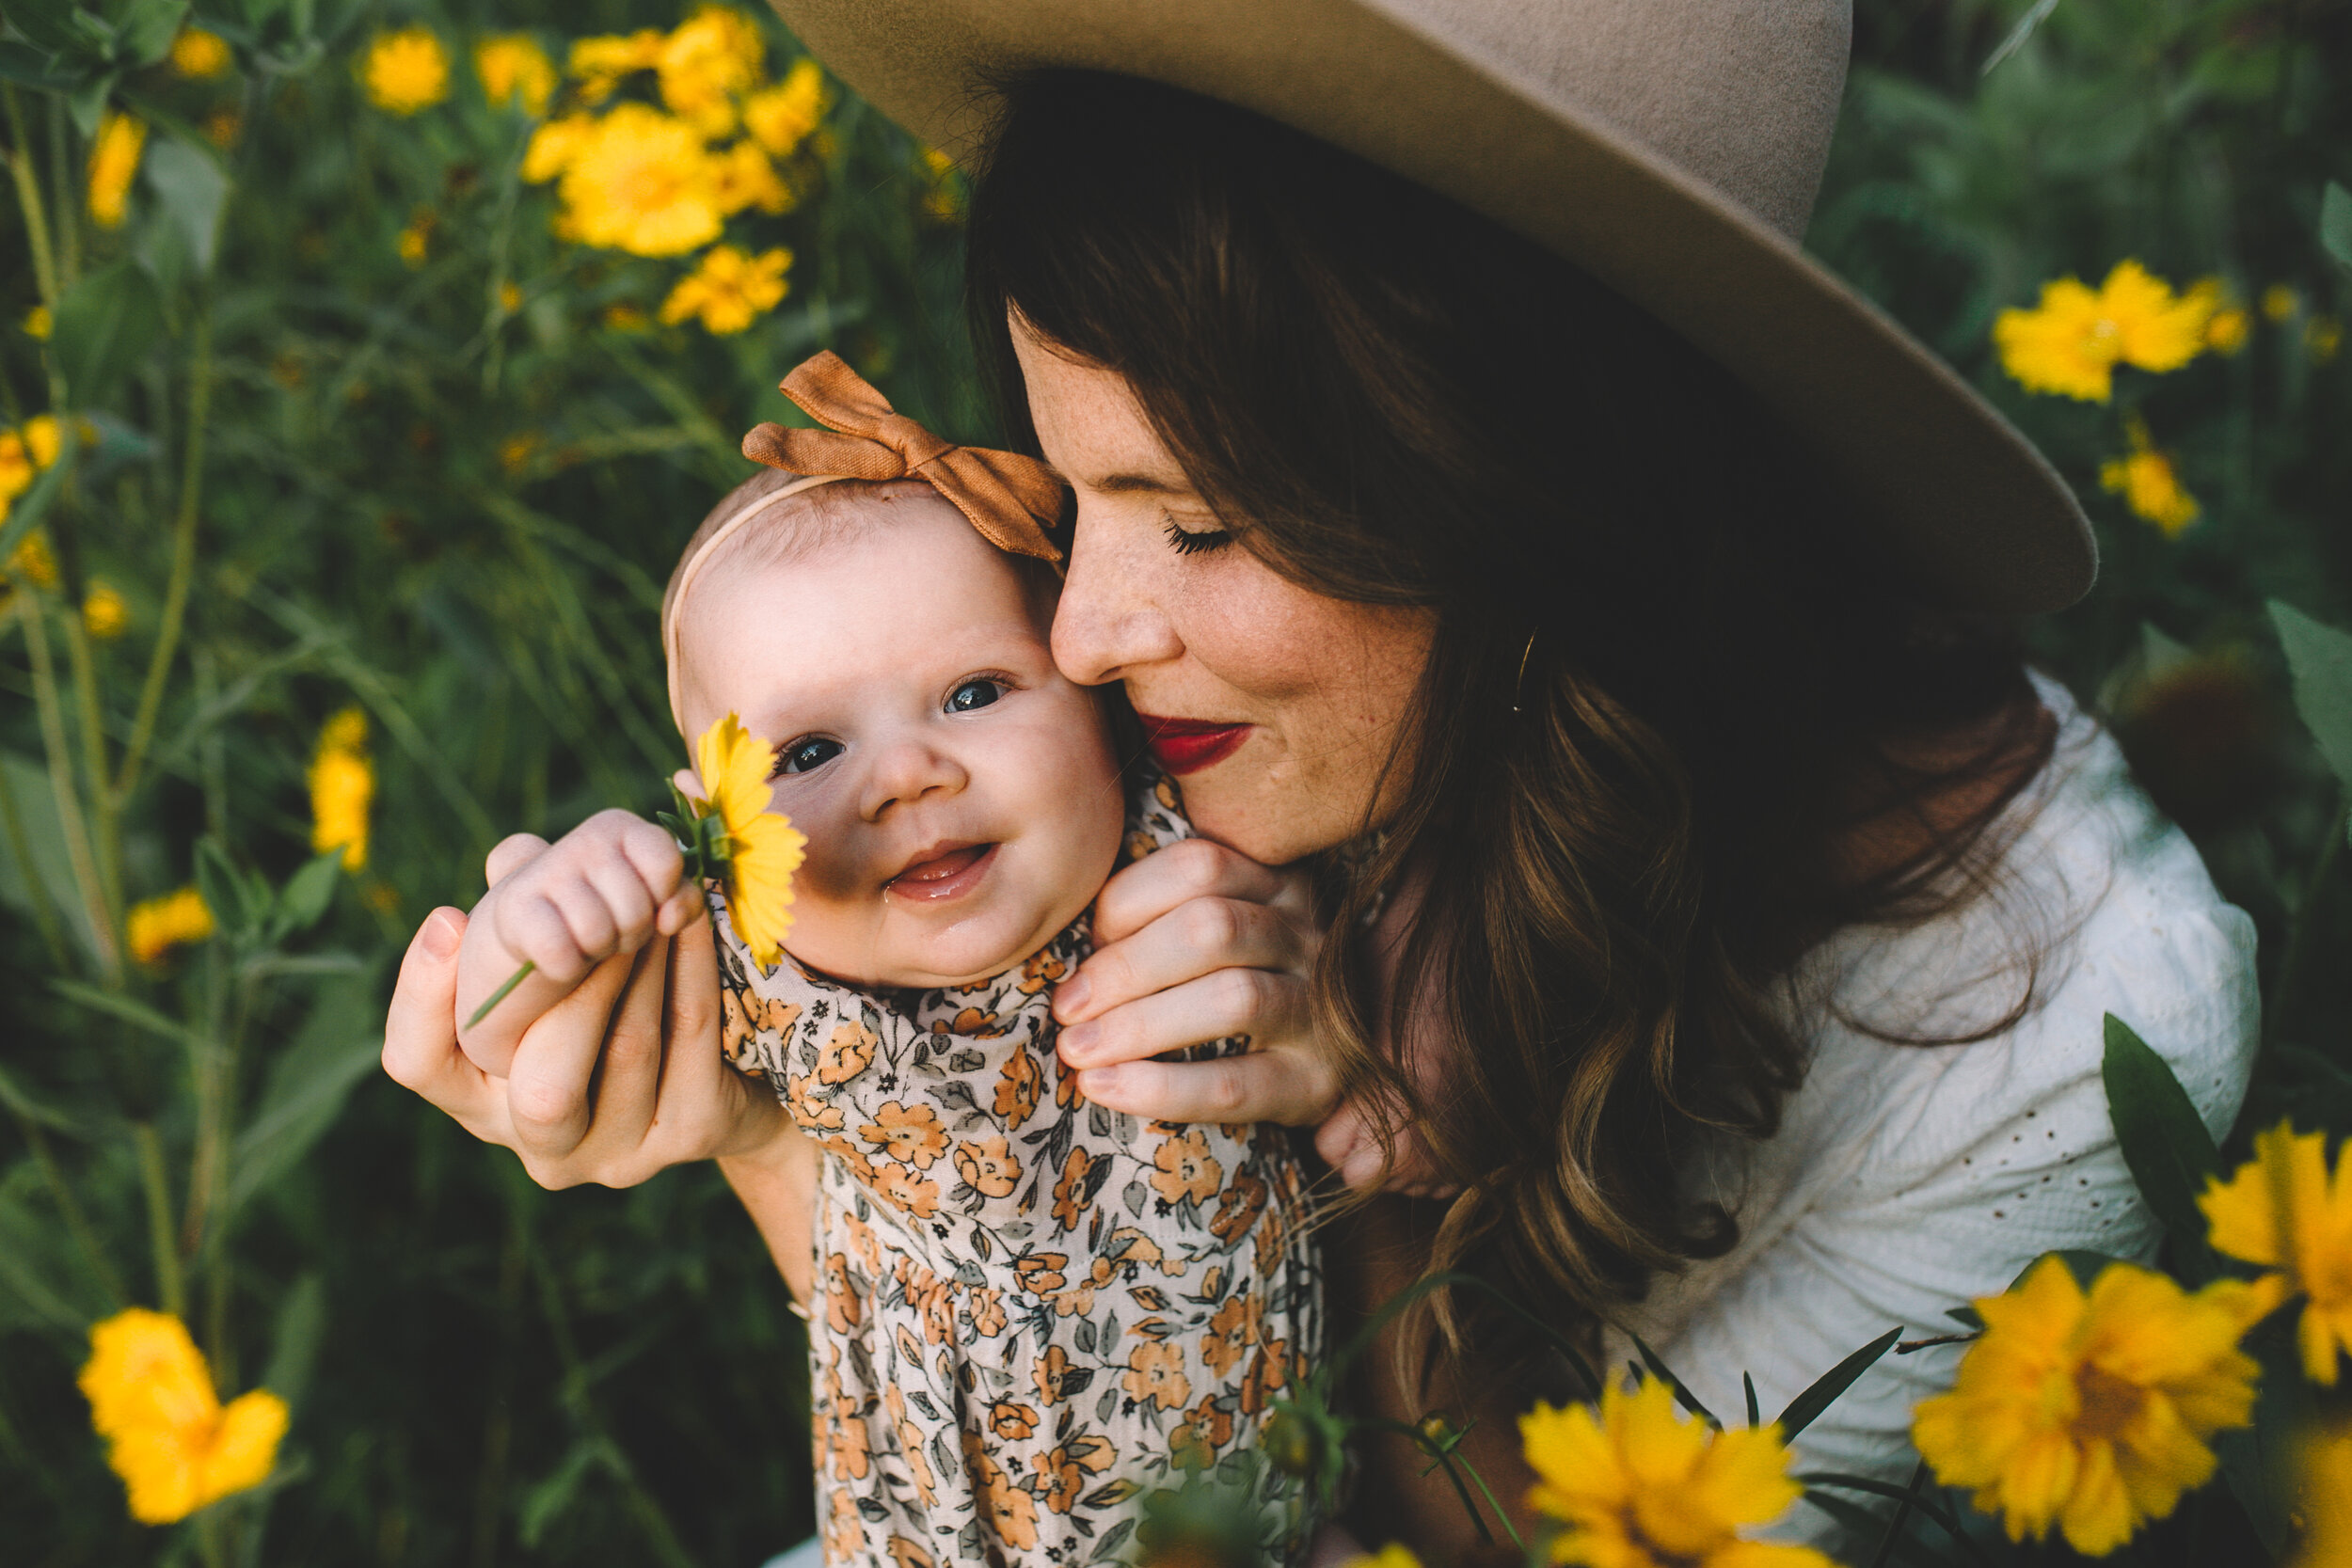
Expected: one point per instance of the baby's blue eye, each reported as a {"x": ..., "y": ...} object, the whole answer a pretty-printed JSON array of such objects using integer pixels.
[
  {"x": 805, "y": 756},
  {"x": 974, "y": 694}
]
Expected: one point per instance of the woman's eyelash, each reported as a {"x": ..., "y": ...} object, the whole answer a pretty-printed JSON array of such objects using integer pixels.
[{"x": 1187, "y": 543}]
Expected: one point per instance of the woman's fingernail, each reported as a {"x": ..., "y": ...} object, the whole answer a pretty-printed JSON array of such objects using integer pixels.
[
  {"x": 441, "y": 933},
  {"x": 1076, "y": 1039},
  {"x": 1070, "y": 999}
]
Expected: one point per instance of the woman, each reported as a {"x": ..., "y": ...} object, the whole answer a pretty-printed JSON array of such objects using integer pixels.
[{"x": 1602, "y": 619}]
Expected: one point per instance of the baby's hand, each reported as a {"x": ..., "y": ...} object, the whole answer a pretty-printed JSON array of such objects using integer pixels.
[{"x": 606, "y": 887}]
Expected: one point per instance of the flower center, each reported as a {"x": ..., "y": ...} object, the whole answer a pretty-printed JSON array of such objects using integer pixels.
[{"x": 2110, "y": 1404}]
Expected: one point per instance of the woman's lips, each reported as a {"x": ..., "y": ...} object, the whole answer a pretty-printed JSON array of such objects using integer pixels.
[
  {"x": 1188, "y": 745},
  {"x": 949, "y": 874}
]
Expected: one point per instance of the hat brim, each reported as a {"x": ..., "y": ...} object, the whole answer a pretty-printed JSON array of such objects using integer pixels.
[{"x": 1959, "y": 500}]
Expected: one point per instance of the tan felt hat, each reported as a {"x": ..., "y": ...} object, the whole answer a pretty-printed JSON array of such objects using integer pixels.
[{"x": 1671, "y": 148}]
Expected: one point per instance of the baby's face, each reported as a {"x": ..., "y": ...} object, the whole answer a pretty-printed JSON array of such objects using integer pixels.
[{"x": 959, "y": 796}]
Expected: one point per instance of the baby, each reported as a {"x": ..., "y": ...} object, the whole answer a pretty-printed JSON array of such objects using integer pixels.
[{"x": 1030, "y": 1309}]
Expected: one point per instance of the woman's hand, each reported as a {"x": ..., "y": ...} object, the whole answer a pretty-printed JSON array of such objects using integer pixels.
[
  {"x": 1196, "y": 942},
  {"x": 619, "y": 1080}
]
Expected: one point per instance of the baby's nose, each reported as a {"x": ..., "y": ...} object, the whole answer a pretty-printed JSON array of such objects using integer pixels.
[{"x": 904, "y": 771}]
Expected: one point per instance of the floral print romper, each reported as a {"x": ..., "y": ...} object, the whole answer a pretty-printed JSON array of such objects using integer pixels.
[{"x": 1030, "y": 1309}]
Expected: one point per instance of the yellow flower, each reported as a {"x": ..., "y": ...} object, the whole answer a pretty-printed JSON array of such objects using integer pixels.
[
  {"x": 642, "y": 183},
  {"x": 1644, "y": 1486},
  {"x": 601, "y": 62},
  {"x": 2148, "y": 482},
  {"x": 747, "y": 179},
  {"x": 518, "y": 450},
  {"x": 2228, "y": 329},
  {"x": 104, "y": 613},
  {"x": 2322, "y": 337},
  {"x": 114, "y": 157},
  {"x": 1393, "y": 1555},
  {"x": 554, "y": 144},
  {"x": 515, "y": 69},
  {"x": 343, "y": 785},
  {"x": 16, "y": 468},
  {"x": 2324, "y": 1498},
  {"x": 159, "y": 924},
  {"x": 406, "y": 70},
  {"x": 729, "y": 291},
  {"x": 710, "y": 61},
  {"x": 2280, "y": 301},
  {"x": 782, "y": 116},
  {"x": 510, "y": 298},
  {"x": 2283, "y": 1210},
  {"x": 199, "y": 55},
  {"x": 222, "y": 128},
  {"x": 2070, "y": 343},
  {"x": 763, "y": 847},
  {"x": 169, "y": 1438},
  {"x": 2092, "y": 1412},
  {"x": 417, "y": 239},
  {"x": 38, "y": 322},
  {"x": 41, "y": 438},
  {"x": 625, "y": 317},
  {"x": 33, "y": 560}
]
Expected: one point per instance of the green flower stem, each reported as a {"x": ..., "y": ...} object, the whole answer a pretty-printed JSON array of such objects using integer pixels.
[
  {"x": 63, "y": 191},
  {"x": 182, "y": 559},
  {"x": 36, "y": 888},
  {"x": 76, "y": 1220},
  {"x": 106, "y": 834},
  {"x": 500, "y": 994},
  {"x": 28, "y": 197},
  {"x": 2288, "y": 978},
  {"x": 170, "y": 1286},
  {"x": 77, "y": 844}
]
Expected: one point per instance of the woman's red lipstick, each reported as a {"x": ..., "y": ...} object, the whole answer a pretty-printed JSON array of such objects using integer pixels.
[{"x": 1188, "y": 745}]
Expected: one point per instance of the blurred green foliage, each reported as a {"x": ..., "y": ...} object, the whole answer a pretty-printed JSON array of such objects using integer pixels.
[{"x": 454, "y": 506}]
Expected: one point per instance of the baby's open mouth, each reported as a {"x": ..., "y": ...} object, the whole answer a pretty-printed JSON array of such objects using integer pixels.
[{"x": 947, "y": 873}]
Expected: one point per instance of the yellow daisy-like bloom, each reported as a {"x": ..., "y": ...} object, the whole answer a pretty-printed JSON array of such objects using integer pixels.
[
  {"x": 175, "y": 1446},
  {"x": 104, "y": 613},
  {"x": 406, "y": 71},
  {"x": 2149, "y": 484},
  {"x": 2070, "y": 344},
  {"x": 416, "y": 241},
  {"x": 2324, "y": 1498},
  {"x": 175, "y": 920},
  {"x": 343, "y": 786},
  {"x": 730, "y": 289},
  {"x": 711, "y": 60},
  {"x": 512, "y": 69},
  {"x": 2322, "y": 338},
  {"x": 555, "y": 145},
  {"x": 34, "y": 561},
  {"x": 38, "y": 323},
  {"x": 1645, "y": 1486},
  {"x": 1393, "y": 1555},
  {"x": 2282, "y": 1211},
  {"x": 199, "y": 56},
  {"x": 42, "y": 438},
  {"x": 600, "y": 62},
  {"x": 763, "y": 847},
  {"x": 2090, "y": 1412},
  {"x": 114, "y": 158},
  {"x": 747, "y": 179},
  {"x": 641, "y": 183},
  {"x": 16, "y": 468},
  {"x": 782, "y": 116},
  {"x": 2280, "y": 301}
]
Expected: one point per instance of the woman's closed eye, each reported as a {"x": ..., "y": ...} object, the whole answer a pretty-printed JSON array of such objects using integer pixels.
[
  {"x": 978, "y": 691},
  {"x": 805, "y": 755},
  {"x": 1192, "y": 541}
]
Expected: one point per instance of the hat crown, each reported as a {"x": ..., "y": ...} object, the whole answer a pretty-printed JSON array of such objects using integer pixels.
[{"x": 1742, "y": 94}]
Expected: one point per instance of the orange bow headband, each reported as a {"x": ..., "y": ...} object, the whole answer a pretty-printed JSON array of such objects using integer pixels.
[{"x": 1008, "y": 498}]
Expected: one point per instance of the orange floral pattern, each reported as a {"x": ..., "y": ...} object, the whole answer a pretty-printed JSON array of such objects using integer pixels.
[{"x": 1033, "y": 1308}]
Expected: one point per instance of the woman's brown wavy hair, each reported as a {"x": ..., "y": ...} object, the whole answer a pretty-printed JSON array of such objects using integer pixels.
[{"x": 1670, "y": 677}]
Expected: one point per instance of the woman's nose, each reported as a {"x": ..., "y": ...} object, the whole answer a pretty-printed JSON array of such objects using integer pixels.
[
  {"x": 902, "y": 771},
  {"x": 1107, "y": 622}
]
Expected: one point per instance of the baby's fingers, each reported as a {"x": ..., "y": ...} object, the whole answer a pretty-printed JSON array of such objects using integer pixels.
[{"x": 512, "y": 854}]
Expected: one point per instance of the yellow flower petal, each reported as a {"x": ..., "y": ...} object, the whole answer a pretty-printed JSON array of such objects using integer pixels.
[
  {"x": 764, "y": 849},
  {"x": 406, "y": 72}
]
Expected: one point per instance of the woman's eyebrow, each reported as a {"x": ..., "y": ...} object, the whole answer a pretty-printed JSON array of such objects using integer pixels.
[{"x": 1130, "y": 485}]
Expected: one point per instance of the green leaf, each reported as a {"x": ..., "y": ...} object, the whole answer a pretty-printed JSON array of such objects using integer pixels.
[
  {"x": 2320, "y": 658},
  {"x": 138, "y": 1014},
  {"x": 193, "y": 191},
  {"x": 295, "y": 1345},
  {"x": 1806, "y": 1407},
  {"x": 1683, "y": 1396},
  {"x": 105, "y": 326},
  {"x": 339, "y": 1043},
  {"x": 1861, "y": 1524},
  {"x": 48, "y": 25},
  {"x": 1918, "y": 1499},
  {"x": 306, "y": 895},
  {"x": 2335, "y": 222},
  {"x": 227, "y": 892},
  {"x": 147, "y": 28},
  {"x": 28, "y": 788},
  {"x": 87, "y": 103},
  {"x": 2163, "y": 1141}
]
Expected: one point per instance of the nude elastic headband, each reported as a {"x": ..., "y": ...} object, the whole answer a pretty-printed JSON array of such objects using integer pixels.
[{"x": 1007, "y": 496}]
